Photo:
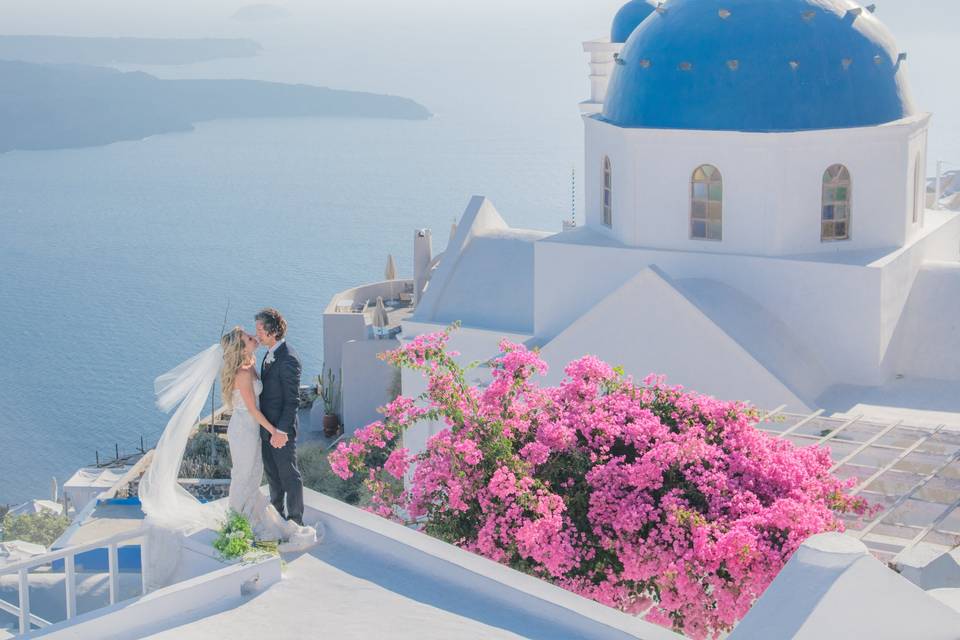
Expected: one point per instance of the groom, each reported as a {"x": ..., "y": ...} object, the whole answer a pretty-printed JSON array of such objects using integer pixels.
[{"x": 279, "y": 401}]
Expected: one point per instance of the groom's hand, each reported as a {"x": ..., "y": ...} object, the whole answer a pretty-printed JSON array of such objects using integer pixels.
[{"x": 279, "y": 440}]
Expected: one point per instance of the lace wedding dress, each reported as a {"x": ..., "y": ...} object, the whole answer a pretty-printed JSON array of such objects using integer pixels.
[{"x": 246, "y": 476}]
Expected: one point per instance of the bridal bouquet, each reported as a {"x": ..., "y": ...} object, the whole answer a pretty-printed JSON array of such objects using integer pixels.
[
  {"x": 236, "y": 540},
  {"x": 642, "y": 496}
]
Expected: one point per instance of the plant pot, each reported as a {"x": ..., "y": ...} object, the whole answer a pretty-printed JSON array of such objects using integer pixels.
[
  {"x": 317, "y": 414},
  {"x": 331, "y": 425}
]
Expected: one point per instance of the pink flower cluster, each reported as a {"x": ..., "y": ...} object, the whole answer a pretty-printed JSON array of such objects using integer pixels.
[{"x": 647, "y": 497}]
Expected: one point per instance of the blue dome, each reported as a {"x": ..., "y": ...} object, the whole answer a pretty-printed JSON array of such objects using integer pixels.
[
  {"x": 629, "y": 18},
  {"x": 758, "y": 65}
]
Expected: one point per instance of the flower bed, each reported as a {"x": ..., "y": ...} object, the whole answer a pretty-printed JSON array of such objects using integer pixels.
[{"x": 645, "y": 497}]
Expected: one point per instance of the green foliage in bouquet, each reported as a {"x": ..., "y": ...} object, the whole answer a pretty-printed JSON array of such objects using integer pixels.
[
  {"x": 236, "y": 540},
  {"x": 236, "y": 537}
]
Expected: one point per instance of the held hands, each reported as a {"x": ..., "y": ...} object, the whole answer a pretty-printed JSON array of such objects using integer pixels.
[{"x": 279, "y": 440}]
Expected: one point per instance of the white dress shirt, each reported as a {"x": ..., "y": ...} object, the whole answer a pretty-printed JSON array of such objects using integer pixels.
[{"x": 272, "y": 350}]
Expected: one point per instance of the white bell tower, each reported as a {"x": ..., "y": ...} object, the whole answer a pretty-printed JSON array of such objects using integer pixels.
[{"x": 603, "y": 54}]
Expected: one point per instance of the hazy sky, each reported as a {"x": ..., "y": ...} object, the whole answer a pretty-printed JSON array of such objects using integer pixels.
[{"x": 518, "y": 57}]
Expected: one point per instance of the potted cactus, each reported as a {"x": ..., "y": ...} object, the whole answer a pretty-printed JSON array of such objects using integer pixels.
[{"x": 328, "y": 392}]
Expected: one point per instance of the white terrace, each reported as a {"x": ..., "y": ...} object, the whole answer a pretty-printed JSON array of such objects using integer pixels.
[{"x": 370, "y": 578}]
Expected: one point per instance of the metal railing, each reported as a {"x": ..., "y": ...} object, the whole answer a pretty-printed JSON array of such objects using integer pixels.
[{"x": 68, "y": 555}]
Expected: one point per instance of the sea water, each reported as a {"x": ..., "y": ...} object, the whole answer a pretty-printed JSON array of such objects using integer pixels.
[{"x": 118, "y": 262}]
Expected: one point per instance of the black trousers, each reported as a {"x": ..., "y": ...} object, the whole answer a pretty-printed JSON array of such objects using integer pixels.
[{"x": 283, "y": 475}]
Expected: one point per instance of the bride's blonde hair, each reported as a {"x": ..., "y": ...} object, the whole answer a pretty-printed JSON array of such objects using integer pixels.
[{"x": 234, "y": 359}]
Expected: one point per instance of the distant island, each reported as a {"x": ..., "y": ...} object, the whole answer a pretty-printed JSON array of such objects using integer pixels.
[
  {"x": 107, "y": 51},
  {"x": 65, "y": 106}
]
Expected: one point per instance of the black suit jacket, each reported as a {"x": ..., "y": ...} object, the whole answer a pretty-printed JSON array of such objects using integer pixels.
[{"x": 280, "y": 397}]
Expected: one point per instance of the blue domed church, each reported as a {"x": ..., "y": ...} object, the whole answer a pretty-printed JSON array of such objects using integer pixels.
[
  {"x": 808, "y": 98},
  {"x": 757, "y": 223}
]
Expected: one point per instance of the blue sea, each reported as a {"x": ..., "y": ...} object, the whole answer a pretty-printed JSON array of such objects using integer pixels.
[{"x": 118, "y": 262}]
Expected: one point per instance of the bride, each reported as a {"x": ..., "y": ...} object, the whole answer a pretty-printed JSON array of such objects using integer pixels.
[{"x": 171, "y": 508}]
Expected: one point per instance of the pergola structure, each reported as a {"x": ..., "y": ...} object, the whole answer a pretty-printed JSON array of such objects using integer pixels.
[{"x": 911, "y": 472}]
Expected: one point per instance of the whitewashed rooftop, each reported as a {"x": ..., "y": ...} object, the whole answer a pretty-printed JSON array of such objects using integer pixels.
[{"x": 370, "y": 578}]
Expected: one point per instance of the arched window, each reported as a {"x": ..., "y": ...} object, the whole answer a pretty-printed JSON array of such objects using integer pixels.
[
  {"x": 835, "y": 208},
  {"x": 706, "y": 204},
  {"x": 919, "y": 191},
  {"x": 607, "y": 192}
]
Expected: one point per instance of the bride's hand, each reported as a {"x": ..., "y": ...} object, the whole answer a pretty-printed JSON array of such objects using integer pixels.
[{"x": 279, "y": 440}]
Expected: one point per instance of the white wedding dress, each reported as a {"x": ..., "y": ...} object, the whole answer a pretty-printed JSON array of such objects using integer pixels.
[{"x": 246, "y": 476}]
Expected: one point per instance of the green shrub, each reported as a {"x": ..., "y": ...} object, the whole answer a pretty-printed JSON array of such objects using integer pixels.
[
  {"x": 207, "y": 457},
  {"x": 318, "y": 476},
  {"x": 39, "y": 528}
]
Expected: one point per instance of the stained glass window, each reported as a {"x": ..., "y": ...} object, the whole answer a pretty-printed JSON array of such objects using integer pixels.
[
  {"x": 835, "y": 205},
  {"x": 706, "y": 204}
]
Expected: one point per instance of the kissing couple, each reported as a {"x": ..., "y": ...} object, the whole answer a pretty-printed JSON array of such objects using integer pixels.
[{"x": 262, "y": 434}]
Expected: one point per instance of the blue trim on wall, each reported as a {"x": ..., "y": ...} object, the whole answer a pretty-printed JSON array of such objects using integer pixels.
[
  {"x": 121, "y": 501},
  {"x": 629, "y": 18},
  {"x": 96, "y": 561},
  {"x": 692, "y": 68}
]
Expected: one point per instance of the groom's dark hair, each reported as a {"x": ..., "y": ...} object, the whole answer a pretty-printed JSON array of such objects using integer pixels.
[{"x": 273, "y": 323}]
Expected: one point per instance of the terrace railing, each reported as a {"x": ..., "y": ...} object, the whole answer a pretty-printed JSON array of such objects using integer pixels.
[{"x": 22, "y": 569}]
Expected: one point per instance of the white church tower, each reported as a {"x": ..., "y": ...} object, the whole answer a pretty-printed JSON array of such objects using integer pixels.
[{"x": 605, "y": 52}]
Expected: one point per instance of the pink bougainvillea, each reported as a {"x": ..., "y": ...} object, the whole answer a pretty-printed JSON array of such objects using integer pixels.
[{"x": 645, "y": 497}]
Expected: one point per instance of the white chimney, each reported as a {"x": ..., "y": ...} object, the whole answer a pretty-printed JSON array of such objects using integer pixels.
[{"x": 422, "y": 257}]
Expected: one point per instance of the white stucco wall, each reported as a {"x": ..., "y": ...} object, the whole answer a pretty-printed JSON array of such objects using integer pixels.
[
  {"x": 573, "y": 274},
  {"x": 833, "y": 588},
  {"x": 179, "y": 603},
  {"x": 338, "y": 329},
  {"x": 937, "y": 242},
  {"x": 927, "y": 341},
  {"x": 367, "y": 382},
  {"x": 485, "y": 279},
  {"x": 772, "y": 185},
  {"x": 648, "y": 326},
  {"x": 341, "y": 325}
]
